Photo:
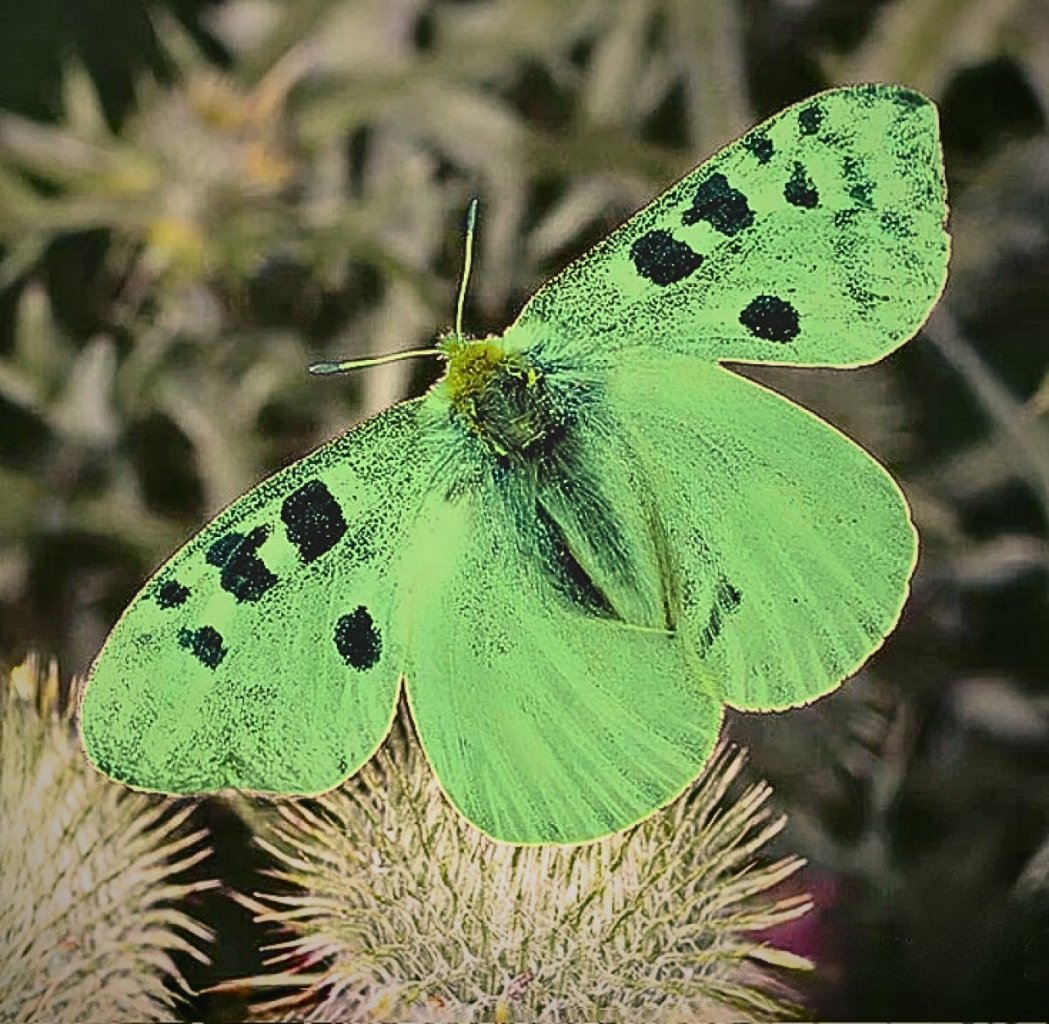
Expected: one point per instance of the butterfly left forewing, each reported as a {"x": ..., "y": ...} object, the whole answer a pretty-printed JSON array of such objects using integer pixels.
[
  {"x": 815, "y": 239},
  {"x": 261, "y": 655}
]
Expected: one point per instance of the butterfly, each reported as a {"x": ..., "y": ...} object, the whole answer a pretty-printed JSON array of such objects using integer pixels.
[{"x": 589, "y": 536}]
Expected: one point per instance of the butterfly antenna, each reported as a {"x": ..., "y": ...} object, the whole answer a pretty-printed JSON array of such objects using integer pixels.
[
  {"x": 468, "y": 258},
  {"x": 345, "y": 365}
]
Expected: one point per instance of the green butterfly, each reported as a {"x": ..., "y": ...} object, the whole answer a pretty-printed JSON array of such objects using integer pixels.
[{"x": 588, "y": 536}]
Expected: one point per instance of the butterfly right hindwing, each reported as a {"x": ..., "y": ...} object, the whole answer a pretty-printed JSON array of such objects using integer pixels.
[{"x": 791, "y": 546}]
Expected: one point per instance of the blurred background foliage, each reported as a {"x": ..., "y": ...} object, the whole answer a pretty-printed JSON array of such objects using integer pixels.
[{"x": 199, "y": 197}]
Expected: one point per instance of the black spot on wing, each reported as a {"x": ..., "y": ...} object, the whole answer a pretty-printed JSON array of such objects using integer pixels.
[
  {"x": 862, "y": 295},
  {"x": 720, "y": 205},
  {"x": 362, "y": 544},
  {"x": 114, "y": 764},
  {"x": 728, "y": 595},
  {"x": 357, "y": 639},
  {"x": 241, "y": 572},
  {"x": 313, "y": 520},
  {"x": 771, "y": 318},
  {"x": 726, "y": 600},
  {"x": 845, "y": 220},
  {"x": 104, "y": 763},
  {"x": 859, "y": 185},
  {"x": 868, "y": 93},
  {"x": 171, "y": 593},
  {"x": 759, "y": 145},
  {"x": 908, "y": 98},
  {"x": 205, "y": 644},
  {"x": 897, "y": 223},
  {"x": 810, "y": 118},
  {"x": 661, "y": 258},
  {"x": 862, "y": 193},
  {"x": 220, "y": 552},
  {"x": 799, "y": 190}
]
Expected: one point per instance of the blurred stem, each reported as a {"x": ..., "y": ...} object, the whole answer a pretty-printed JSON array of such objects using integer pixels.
[
  {"x": 1020, "y": 425},
  {"x": 297, "y": 22},
  {"x": 710, "y": 43}
]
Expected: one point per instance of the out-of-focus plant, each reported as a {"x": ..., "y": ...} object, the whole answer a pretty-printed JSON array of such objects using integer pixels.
[
  {"x": 92, "y": 877},
  {"x": 396, "y": 909}
]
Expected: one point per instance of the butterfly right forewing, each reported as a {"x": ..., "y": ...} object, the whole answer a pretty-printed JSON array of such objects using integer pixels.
[{"x": 263, "y": 655}]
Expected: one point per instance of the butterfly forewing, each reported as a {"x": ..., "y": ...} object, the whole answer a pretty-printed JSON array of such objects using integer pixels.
[
  {"x": 816, "y": 239},
  {"x": 261, "y": 656}
]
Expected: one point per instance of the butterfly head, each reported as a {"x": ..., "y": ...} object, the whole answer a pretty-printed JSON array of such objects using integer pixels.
[{"x": 498, "y": 395}]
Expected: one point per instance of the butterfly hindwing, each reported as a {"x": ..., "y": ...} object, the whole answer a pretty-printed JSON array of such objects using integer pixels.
[
  {"x": 791, "y": 547},
  {"x": 545, "y": 716},
  {"x": 815, "y": 239},
  {"x": 261, "y": 656}
]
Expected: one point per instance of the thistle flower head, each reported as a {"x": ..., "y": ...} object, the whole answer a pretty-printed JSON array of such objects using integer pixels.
[
  {"x": 90, "y": 874},
  {"x": 400, "y": 910}
]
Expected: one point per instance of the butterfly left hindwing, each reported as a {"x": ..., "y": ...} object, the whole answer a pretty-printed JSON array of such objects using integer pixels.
[{"x": 547, "y": 717}]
